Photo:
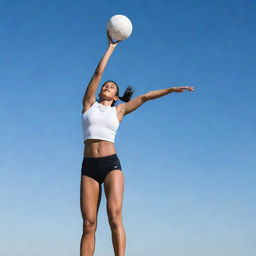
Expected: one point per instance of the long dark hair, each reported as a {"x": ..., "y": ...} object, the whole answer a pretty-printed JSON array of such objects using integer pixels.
[{"x": 127, "y": 94}]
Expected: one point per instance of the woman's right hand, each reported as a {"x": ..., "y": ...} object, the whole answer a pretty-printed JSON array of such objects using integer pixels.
[{"x": 110, "y": 41}]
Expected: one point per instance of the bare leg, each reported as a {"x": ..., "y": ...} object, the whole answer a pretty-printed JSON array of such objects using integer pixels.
[
  {"x": 90, "y": 196},
  {"x": 114, "y": 187}
]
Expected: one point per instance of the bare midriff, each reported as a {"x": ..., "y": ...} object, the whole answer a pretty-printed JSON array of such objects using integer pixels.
[{"x": 98, "y": 148}]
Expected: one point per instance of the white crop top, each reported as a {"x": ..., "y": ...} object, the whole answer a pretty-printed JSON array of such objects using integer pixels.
[{"x": 100, "y": 122}]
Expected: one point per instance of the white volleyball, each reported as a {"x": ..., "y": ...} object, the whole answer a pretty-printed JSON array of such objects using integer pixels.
[{"x": 119, "y": 27}]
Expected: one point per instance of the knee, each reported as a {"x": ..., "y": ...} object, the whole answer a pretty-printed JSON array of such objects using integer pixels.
[
  {"x": 89, "y": 226},
  {"x": 115, "y": 220}
]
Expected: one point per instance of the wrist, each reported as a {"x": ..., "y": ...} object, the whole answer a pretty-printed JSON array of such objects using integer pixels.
[
  {"x": 111, "y": 46},
  {"x": 171, "y": 89}
]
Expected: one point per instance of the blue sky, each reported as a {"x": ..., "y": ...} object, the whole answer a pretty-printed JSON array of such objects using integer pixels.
[{"x": 188, "y": 158}]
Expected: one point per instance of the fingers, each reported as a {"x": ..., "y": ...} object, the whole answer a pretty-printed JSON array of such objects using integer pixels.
[
  {"x": 117, "y": 42},
  {"x": 187, "y": 88},
  {"x": 109, "y": 37},
  {"x": 110, "y": 40},
  {"x": 182, "y": 88},
  {"x": 107, "y": 32}
]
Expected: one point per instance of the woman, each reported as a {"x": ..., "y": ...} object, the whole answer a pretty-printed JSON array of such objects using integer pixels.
[{"x": 100, "y": 120}]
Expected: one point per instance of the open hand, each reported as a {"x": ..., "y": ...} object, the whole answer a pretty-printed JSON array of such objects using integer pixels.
[
  {"x": 182, "y": 88},
  {"x": 110, "y": 41}
]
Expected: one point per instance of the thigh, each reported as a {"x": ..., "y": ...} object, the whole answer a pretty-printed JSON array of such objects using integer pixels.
[
  {"x": 90, "y": 168},
  {"x": 90, "y": 197},
  {"x": 114, "y": 188},
  {"x": 106, "y": 165}
]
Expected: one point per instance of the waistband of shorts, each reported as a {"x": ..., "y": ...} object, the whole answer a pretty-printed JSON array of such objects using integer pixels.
[{"x": 103, "y": 158}]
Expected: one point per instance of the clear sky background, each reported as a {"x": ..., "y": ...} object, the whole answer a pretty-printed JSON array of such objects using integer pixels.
[{"x": 188, "y": 158}]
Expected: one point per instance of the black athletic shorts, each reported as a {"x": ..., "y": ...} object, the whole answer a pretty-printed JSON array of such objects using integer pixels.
[{"x": 98, "y": 167}]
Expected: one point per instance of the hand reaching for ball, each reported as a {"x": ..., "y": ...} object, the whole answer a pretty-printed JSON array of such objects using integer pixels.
[{"x": 110, "y": 40}]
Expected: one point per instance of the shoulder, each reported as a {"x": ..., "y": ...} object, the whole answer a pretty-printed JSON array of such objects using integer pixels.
[
  {"x": 88, "y": 105},
  {"x": 120, "y": 108},
  {"x": 120, "y": 111}
]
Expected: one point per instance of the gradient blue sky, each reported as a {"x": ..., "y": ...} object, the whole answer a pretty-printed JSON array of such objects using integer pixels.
[{"x": 188, "y": 158}]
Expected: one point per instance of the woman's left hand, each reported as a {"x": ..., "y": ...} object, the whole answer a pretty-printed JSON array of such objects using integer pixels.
[{"x": 182, "y": 88}]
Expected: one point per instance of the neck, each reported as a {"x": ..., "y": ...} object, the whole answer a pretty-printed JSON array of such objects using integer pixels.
[{"x": 105, "y": 103}]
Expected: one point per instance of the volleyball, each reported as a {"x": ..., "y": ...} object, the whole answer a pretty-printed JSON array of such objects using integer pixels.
[{"x": 119, "y": 27}]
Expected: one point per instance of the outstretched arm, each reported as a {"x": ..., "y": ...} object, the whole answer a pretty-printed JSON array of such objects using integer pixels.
[
  {"x": 133, "y": 104},
  {"x": 91, "y": 89},
  {"x": 159, "y": 93}
]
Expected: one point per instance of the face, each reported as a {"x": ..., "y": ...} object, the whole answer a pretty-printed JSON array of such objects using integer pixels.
[{"x": 108, "y": 91}]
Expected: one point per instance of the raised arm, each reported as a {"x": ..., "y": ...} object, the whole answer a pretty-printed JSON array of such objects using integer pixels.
[
  {"x": 133, "y": 104},
  {"x": 90, "y": 93}
]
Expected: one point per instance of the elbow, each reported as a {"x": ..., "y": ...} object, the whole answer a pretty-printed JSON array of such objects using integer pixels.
[
  {"x": 145, "y": 97},
  {"x": 98, "y": 72}
]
